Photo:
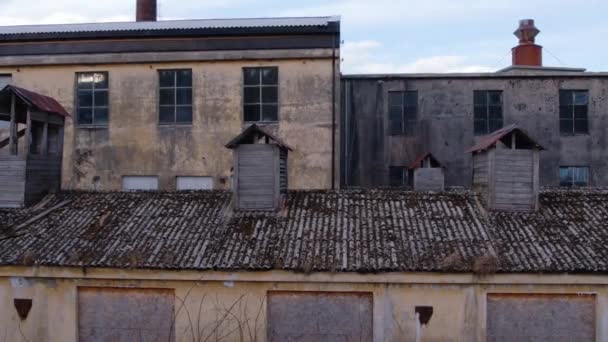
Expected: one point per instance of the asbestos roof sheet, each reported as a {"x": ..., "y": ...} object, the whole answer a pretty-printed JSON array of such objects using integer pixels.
[
  {"x": 332, "y": 231},
  {"x": 170, "y": 25}
]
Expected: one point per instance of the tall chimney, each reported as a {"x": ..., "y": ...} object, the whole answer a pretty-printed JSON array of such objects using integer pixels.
[
  {"x": 146, "y": 10},
  {"x": 527, "y": 52}
]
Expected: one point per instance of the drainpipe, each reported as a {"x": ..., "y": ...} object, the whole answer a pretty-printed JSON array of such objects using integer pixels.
[{"x": 333, "y": 113}]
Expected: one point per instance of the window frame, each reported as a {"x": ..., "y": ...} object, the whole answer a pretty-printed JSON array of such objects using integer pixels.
[
  {"x": 261, "y": 103},
  {"x": 404, "y": 176},
  {"x": 408, "y": 126},
  {"x": 175, "y": 87},
  {"x": 487, "y": 112},
  {"x": 93, "y": 89},
  {"x": 572, "y": 169},
  {"x": 573, "y": 118}
]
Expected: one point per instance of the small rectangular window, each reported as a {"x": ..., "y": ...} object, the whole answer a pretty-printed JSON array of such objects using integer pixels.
[
  {"x": 573, "y": 110},
  {"x": 397, "y": 176},
  {"x": 570, "y": 176},
  {"x": 5, "y": 79},
  {"x": 402, "y": 112},
  {"x": 487, "y": 116},
  {"x": 175, "y": 96},
  {"x": 139, "y": 183},
  {"x": 92, "y": 102},
  {"x": 194, "y": 183},
  {"x": 261, "y": 94}
]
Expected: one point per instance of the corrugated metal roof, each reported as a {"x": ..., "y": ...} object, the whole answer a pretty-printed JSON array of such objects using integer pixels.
[
  {"x": 170, "y": 25},
  {"x": 332, "y": 231},
  {"x": 491, "y": 139},
  {"x": 41, "y": 102}
]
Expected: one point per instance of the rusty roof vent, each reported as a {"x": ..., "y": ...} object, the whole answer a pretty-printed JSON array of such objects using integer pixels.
[
  {"x": 146, "y": 10},
  {"x": 527, "y": 52}
]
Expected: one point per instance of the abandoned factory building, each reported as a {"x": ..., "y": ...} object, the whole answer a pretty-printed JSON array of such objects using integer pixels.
[
  {"x": 389, "y": 120},
  {"x": 152, "y": 102},
  {"x": 217, "y": 180}
]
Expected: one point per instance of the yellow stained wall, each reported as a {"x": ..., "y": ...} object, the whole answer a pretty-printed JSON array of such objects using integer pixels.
[
  {"x": 134, "y": 144},
  {"x": 458, "y": 301}
]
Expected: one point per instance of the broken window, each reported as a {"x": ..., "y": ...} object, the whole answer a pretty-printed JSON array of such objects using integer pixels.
[
  {"x": 573, "y": 176},
  {"x": 488, "y": 111},
  {"x": 260, "y": 94},
  {"x": 402, "y": 111},
  {"x": 397, "y": 176},
  {"x": 92, "y": 98},
  {"x": 175, "y": 96},
  {"x": 573, "y": 108}
]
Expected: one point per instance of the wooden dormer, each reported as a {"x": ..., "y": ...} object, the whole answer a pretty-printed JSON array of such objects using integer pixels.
[
  {"x": 427, "y": 173},
  {"x": 260, "y": 169},
  {"x": 30, "y": 157},
  {"x": 505, "y": 169}
]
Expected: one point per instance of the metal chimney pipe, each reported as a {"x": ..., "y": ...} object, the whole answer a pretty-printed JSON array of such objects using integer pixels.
[{"x": 146, "y": 10}]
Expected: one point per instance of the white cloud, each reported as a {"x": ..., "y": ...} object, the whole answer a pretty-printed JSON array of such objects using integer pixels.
[{"x": 369, "y": 57}]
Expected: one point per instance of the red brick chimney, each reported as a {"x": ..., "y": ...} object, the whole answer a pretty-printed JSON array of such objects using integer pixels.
[
  {"x": 527, "y": 53},
  {"x": 146, "y": 10}
]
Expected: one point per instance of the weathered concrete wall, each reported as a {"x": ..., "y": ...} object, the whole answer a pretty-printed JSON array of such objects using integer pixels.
[
  {"x": 445, "y": 112},
  {"x": 234, "y": 305},
  {"x": 134, "y": 143}
]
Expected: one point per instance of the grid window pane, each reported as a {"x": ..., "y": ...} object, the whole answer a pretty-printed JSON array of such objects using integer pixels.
[
  {"x": 85, "y": 116},
  {"x": 183, "y": 96},
  {"x": 260, "y": 94},
  {"x": 573, "y": 176},
  {"x": 581, "y": 126},
  {"x": 573, "y": 111},
  {"x": 270, "y": 94},
  {"x": 166, "y": 114},
  {"x": 85, "y": 98},
  {"x": 251, "y": 76},
  {"x": 167, "y": 97},
  {"x": 101, "y": 98},
  {"x": 184, "y": 114},
  {"x": 166, "y": 78},
  {"x": 487, "y": 111},
  {"x": 402, "y": 112},
  {"x": 175, "y": 96},
  {"x": 101, "y": 115},
  {"x": 92, "y": 98},
  {"x": 270, "y": 76},
  {"x": 565, "y": 176},
  {"x": 269, "y": 112},
  {"x": 252, "y": 94},
  {"x": 184, "y": 78},
  {"x": 252, "y": 113}
]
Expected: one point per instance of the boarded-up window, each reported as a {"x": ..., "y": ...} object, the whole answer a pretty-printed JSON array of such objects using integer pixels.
[
  {"x": 125, "y": 315},
  {"x": 329, "y": 317},
  {"x": 139, "y": 183},
  {"x": 515, "y": 317},
  {"x": 194, "y": 183}
]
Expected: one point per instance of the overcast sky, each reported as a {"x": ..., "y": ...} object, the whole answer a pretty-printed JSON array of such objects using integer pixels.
[{"x": 386, "y": 35}]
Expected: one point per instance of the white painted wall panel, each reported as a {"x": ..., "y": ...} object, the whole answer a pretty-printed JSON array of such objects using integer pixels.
[
  {"x": 194, "y": 183},
  {"x": 140, "y": 183}
]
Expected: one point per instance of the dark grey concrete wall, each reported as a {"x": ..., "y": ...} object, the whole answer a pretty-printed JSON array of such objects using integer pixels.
[{"x": 445, "y": 126}]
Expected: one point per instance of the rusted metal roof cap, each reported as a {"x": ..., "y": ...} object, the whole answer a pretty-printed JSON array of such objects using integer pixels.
[
  {"x": 418, "y": 162},
  {"x": 490, "y": 140},
  {"x": 253, "y": 132},
  {"x": 40, "y": 102}
]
